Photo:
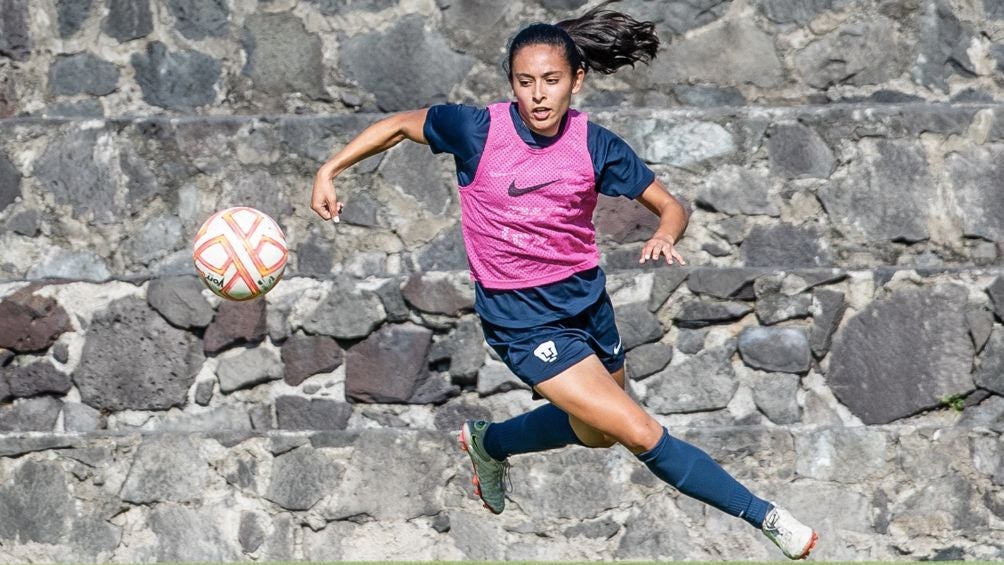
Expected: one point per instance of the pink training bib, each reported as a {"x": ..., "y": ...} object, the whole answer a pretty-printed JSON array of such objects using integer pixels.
[{"x": 527, "y": 216}]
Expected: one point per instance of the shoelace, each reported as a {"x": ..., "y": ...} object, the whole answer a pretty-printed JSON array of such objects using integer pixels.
[{"x": 506, "y": 479}]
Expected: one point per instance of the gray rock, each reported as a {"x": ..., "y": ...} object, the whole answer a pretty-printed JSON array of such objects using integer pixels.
[
  {"x": 36, "y": 504},
  {"x": 315, "y": 256},
  {"x": 69, "y": 265},
  {"x": 624, "y": 221},
  {"x": 794, "y": 11},
  {"x": 88, "y": 108},
  {"x": 389, "y": 365},
  {"x": 656, "y": 528},
  {"x": 304, "y": 356},
  {"x": 177, "y": 80},
  {"x": 996, "y": 292},
  {"x": 237, "y": 323},
  {"x": 128, "y": 19},
  {"x": 30, "y": 415},
  {"x": 190, "y": 535},
  {"x": 990, "y": 363},
  {"x": 698, "y": 314},
  {"x": 282, "y": 57},
  {"x": 784, "y": 350},
  {"x": 409, "y": 168},
  {"x": 843, "y": 455},
  {"x": 251, "y": 534},
  {"x": 204, "y": 393},
  {"x": 704, "y": 96},
  {"x": 450, "y": 416},
  {"x": 752, "y": 58},
  {"x": 10, "y": 183},
  {"x": 61, "y": 352},
  {"x": 444, "y": 253},
  {"x": 435, "y": 293},
  {"x": 637, "y": 325},
  {"x": 973, "y": 173},
  {"x": 596, "y": 529},
  {"x": 980, "y": 321},
  {"x": 153, "y": 240},
  {"x": 797, "y": 152},
  {"x": 773, "y": 305},
  {"x": 828, "y": 310},
  {"x": 721, "y": 282},
  {"x": 405, "y": 67},
  {"x": 775, "y": 396},
  {"x": 681, "y": 145},
  {"x": 903, "y": 354},
  {"x": 888, "y": 193},
  {"x": 944, "y": 42},
  {"x": 338, "y": 7},
  {"x": 81, "y": 418},
  {"x": 785, "y": 246},
  {"x": 495, "y": 377},
  {"x": 735, "y": 190},
  {"x": 463, "y": 349},
  {"x": 37, "y": 378},
  {"x": 24, "y": 223},
  {"x": 71, "y": 15},
  {"x": 198, "y": 19},
  {"x": 179, "y": 300},
  {"x": 858, "y": 53},
  {"x": 297, "y": 413},
  {"x": 71, "y": 172},
  {"x": 346, "y": 313},
  {"x": 30, "y": 323},
  {"x": 302, "y": 477},
  {"x": 15, "y": 33},
  {"x": 127, "y": 340},
  {"x": 691, "y": 341},
  {"x": 703, "y": 382},
  {"x": 248, "y": 369},
  {"x": 646, "y": 360},
  {"x": 82, "y": 73},
  {"x": 167, "y": 468},
  {"x": 393, "y": 301},
  {"x": 667, "y": 280}
]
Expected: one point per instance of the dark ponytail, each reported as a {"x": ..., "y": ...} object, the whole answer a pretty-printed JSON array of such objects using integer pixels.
[{"x": 601, "y": 40}]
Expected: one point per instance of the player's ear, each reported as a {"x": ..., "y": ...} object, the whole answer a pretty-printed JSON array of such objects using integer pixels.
[{"x": 577, "y": 79}]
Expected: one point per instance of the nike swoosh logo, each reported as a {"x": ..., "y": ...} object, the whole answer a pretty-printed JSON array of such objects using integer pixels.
[
  {"x": 618, "y": 348},
  {"x": 514, "y": 191}
]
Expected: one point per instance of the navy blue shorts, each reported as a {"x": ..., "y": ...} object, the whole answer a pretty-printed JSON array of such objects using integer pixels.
[{"x": 541, "y": 352}]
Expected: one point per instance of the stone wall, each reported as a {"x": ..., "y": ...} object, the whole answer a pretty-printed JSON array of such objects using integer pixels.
[{"x": 837, "y": 340}]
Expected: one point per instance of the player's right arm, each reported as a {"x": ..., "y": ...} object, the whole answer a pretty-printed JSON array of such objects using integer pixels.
[{"x": 376, "y": 138}]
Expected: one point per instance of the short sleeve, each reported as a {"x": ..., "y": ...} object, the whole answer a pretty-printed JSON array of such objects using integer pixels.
[
  {"x": 619, "y": 171},
  {"x": 461, "y": 131}
]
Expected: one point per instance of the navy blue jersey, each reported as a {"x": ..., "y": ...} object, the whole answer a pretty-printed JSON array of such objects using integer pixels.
[{"x": 462, "y": 131}]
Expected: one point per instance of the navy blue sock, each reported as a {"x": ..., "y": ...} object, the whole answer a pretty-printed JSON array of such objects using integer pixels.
[
  {"x": 692, "y": 472},
  {"x": 544, "y": 428}
]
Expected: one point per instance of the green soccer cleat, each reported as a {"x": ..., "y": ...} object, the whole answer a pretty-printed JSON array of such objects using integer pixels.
[
  {"x": 491, "y": 477},
  {"x": 794, "y": 538}
]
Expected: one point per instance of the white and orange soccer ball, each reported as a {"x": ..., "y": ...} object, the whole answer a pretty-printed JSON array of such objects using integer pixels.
[{"x": 240, "y": 253}]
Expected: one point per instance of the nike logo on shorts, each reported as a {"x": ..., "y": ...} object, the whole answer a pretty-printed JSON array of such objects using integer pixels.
[
  {"x": 617, "y": 348},
  {"x": 514, "y": 191}
]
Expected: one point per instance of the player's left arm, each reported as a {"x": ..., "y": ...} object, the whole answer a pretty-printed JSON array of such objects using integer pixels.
[{"x": 673, "y": 220}]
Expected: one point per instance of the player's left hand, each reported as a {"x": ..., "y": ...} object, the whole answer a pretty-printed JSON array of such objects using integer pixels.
[{"x": 661, "y": 245}]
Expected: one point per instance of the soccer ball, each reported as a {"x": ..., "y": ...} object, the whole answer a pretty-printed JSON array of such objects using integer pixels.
[{"x": 240, "y": 253}]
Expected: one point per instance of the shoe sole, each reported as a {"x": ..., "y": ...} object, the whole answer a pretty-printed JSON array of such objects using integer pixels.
[
  {"x": 809, "y": 546},
  {"x": 464, "y": 442}
]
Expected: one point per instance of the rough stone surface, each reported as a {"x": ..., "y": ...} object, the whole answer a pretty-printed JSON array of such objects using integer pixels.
[
  {"x": 795, "y": 11},
  {"x": 302, "y": 477},
  {"x": 30, "y": 415},
  {"x": 185, "y": 534},
  {"x": 128, "y": 19},
  {"x": 282, "y": 56},
  {"x": 828, "y": 310},
  {"x": 775, "y": 396},
  {"x": 204, "y": 393},
  {"x": 463, "y": 349},
  {"x": 438, "y": 294},
  {"x": 666, "y": 281},
  {"x": 735, "y": 190},
  {"x": 179, "y": 300},
  {"x": 159, "y": 475},
  {"x": 783, "y": 350},
  {"x": 698, "y": 314},
  {"x": 973, "y": 173},
  {"x": 990, "y": 371},
  {"x": 297, "y": 413},
  {"x": 705, "y": 381},
  {"x": 346, "y": 314},
  {"x": 721, "y": 283},
  {"x": 198, "y": 19},
  {"x": 903, "y": 354},
  {"x": 236, "y": 323},
  {"x": 784, "y": 245},
  {"x": 176, "y": 79},
  {"x": 623, "y": 221},
  {"x": 646, "y": 360},
  {"x": 495, "y": 377},
  {"x": 81, "y": 418},
  {"x": 869, "y": 457},
  {"x": 798, "y": 152},
  {"x": 691, "y": 341},
  {"x": 15, "y": 33},
  {"x": 249, "y": 368},
  {"x": 37, "y": 378},
  {"x": 10, "y": 183},
  {"x": 304, "y": 356},
  {"x": 389, "y": 365},
  {"x": 405, "y": 67},
  {"x": 996, "y": 292},
  {"x": 77, "y": 171},
  {"x": 129, "y": 339},
  {"x": 857, "y": 53},
  {"x": 71, "y": 15},
  {"x": 699, "y": 59},
  {"x": 31, "y": 323},
  {"x": 82, "y": 73},
  {"x": 35, "y": 504},
  {"x": 636, "y": 325}
]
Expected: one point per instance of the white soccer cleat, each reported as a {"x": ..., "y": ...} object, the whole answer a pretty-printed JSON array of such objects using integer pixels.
[{"x": 794, "y": 538}]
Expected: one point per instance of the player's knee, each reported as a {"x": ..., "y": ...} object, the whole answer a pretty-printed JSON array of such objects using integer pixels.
[
  {"x": 600, "y": 441},
  {"x": 642, "y": 436}
]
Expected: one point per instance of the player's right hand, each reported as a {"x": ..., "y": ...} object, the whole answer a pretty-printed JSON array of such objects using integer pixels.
[{"x": 323, "y": 200}]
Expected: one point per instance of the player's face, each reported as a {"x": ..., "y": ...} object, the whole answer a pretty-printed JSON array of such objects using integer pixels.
[{"x": 544, "y": 83}]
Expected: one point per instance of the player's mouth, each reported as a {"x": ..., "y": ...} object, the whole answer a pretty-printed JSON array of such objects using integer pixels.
[{"x": 541, "y": 114}]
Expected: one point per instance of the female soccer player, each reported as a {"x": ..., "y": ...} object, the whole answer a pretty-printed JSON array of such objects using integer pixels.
[{"x": 529, "y": 172}]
